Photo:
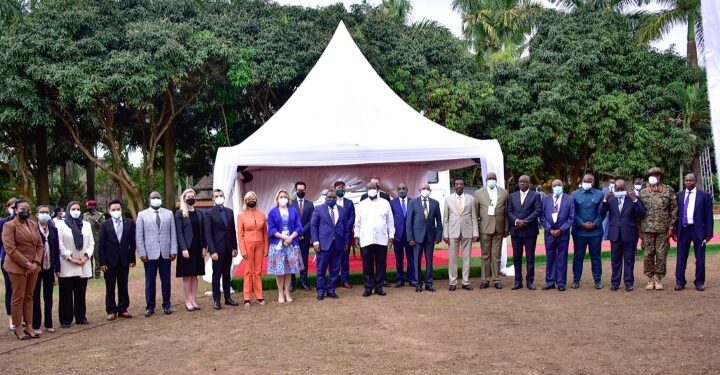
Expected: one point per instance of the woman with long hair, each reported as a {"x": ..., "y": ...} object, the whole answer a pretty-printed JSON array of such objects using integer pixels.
[
  {"x": 191, "y": 247},
  {"x": 284, "y": 228}
]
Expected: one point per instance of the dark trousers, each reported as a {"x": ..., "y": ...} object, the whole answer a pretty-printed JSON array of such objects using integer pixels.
[
  {"x": 591, "y": 243},
  {"x": 374, "y": 260},
  {"x": 557, "y": 253},
  {"x": 687, "y": 235},
  {"x": 304, "y": 253},
  {"x": 221, "y": 269},
  {"x": 345, "y": 266},
  {"x": 72, "y": 299},
  {"x": 46, "y": 281},
  {"x": 8, "y": 286},
  {"x": 427, "y": 248},
  {"x": 328, "y": 261},
  {"x": 152, "y": 267},
  {"x": 622, "y": 258},
  {"x": 402, "y": 250},
  {"x": 117, "y": 276},
  {"x": 528, "y": 244}
]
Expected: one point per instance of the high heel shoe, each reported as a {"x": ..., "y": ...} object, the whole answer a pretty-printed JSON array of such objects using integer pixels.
[
  {"x": 35, "y": 336},
  {"x": 24, "y": 337}
]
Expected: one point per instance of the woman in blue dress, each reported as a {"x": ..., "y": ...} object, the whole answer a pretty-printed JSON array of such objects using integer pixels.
[{"x": 284, "y": 228}]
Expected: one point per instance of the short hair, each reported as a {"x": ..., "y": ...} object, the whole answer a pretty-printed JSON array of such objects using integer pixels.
[
  {"x": 11, "y": 202},
  {"x": 459, "y": 179},
  {"x": 249, "y": 194},
  {"x": 338, "y": 183},
  {"x": 114, "y": 201},
  {"x": 375, "y": 177},
  {"x": 218, "y": 191},
  {"x": 300, "y": 183}
]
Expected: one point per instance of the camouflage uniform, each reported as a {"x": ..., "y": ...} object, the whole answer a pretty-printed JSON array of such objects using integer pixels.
[
  {"x": 95, "y": 220},
  {"x": 661, "y": 206}
]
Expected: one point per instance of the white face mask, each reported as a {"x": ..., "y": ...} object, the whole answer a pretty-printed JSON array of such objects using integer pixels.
[
  {"x": 425, "y": 193},
  {"x": 155, "y": 202},
  {"x": 219, "y": 201},
  {"x": 283, "y": 202},
  {"x": 638, "y": 187},
  {"x": 75, "y": 214},
  {"x": 653, "y": 180},
  {"x": 557, "y": 190},
  {"x": 491, "y": 184},
  {"x": 586, "y": 186},
  {"x": 372, "y": 193},
  {"x": 621, "y": 194},
  {"x": 62, "y": 215},
  {"x": 44, "y": 217},
  {"x": 116, "y": 214}
]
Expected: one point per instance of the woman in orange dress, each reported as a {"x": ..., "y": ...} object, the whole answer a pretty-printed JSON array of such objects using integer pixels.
[{"x": 253, "y": 242}]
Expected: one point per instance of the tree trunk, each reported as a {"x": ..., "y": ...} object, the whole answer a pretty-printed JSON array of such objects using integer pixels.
[
  {"x": 90, "y": 175},
  {"x": 169, "y": 166},
  {"x": 41, "y": 150}
]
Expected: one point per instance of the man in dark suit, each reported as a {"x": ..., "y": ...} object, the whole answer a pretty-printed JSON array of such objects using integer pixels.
[
  {"x": 557, "y": 218},
  {"x": 349, "y": 207},
  {"x": 524, "y": 209},
  {"x": 116, "y": 256},
  {"x": 402, "y": 248},
  {"x": 305, "y": 208},
  {"x": 624, "y": 209},
  {"x": 331, "y": 238},
  {"x": 222, "y": 246},
  {"x": 424, "y": 230},
  {"x": 376, "y": 180},
  {"x": 695, "y": 225}
]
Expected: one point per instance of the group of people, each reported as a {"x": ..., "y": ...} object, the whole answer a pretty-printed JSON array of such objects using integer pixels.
[{"x": 63, "y": 243}]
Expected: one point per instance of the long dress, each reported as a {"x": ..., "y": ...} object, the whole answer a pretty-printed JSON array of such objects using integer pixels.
[
  {"x": 195, "y": 266},
  {"x": 283, "y": 259}
]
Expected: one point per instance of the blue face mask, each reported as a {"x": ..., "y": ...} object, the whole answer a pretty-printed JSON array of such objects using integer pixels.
[
  {"x": 331, "y": 202},
  {"x": 557, "y": 190},
  {"x": 43, "y": 217}
]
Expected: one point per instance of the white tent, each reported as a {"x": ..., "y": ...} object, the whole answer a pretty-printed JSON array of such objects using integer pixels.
[{"x": 344, "y": 123}]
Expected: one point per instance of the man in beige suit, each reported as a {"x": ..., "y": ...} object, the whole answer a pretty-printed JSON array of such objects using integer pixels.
[
  {"x": 460, "y": 230},
  {"x": 491, "y": 202}
]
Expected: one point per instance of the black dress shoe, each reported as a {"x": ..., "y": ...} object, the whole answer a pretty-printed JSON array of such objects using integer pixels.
[
  {"x": 700, "y": 288},
  {"x": 629, "y": 288},
  {"x": 614, "y": 288},
  {"x": 380, "y": 292},
  {"x": 231, "y": 302},
  {"x": 598, "y": 284},
  {"x": 399, "y": 284},
  {"x": 453, "y": 288},
  {"x": 561, "y": 288},
  {"x": 498, "y": 285},
  {"x": 305, "y": 287},
  {"x": 679, "y": 287},
  {"x": 367, "y": 293},
  {"x": 320, "y": 297},
  {"x": 467, "y": 287},
  {"x": 575, "y": 284},
  {"x": 82, "y": 322},
  {"x": 531, "y": 286},
  {"x": 385, "y": 284},
  {"x": 167, "y": 311},
  {"x": 418, "y": 289},
  {"x": 149, "y": 313},
  {"x": 333, "y": 295},
  {"x": 548, "y": 286},
  {"x": 517, "y": 286},
  {"x": 68, "y": 325},
  {"x": 485, "y": 285},
  {"x": 429, "y": 288},
  {"x": 216, "y": 305}
]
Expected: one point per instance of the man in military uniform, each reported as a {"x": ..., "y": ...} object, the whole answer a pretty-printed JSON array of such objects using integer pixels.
[
  {"x": 657, "y": 227},
  {"x": 95, "y": 218},
  {"x": 587, "y": 230}
]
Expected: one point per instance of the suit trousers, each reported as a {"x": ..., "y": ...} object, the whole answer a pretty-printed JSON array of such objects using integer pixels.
[
  {"x": 402, "y": 249},
  {"x": 8, "y": 285},
  {"x": 425, "y": 248},
  {"x": 328, "y": 260},
  {"x": 622, "y": 258},
  {"x": 374, "y": 260},
  {"x": 491, "y": 246},
  {"x": 305, "y": 254},
  {"x": 528, "y": 244},
  {"x": 117, "y": 276},
  {"x": 557, "y": 262},
  {"x": 46, "y": 282},
  {"x": 72, "y": 299},
  {"x": 151, "y": 271},
  {"x": 22, "y": 298},
  {"x": 464, "y": 245},
  {"x": 593, "y": 244},
  {"x": 221, "y": 269},
  {"x": 687, "y": 235},
  {"x": 252, "y": 265}
]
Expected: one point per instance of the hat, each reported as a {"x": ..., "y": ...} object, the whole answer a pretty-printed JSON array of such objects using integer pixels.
[
  {"x": 91, "y": 202},
  {"x": 653, "y": 171}
]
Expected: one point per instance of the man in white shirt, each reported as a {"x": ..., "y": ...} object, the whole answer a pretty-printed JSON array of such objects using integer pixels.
[{"x": 374, "y": 231}]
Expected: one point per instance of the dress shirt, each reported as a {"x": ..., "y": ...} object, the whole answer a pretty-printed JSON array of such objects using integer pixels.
[
  {"x": 690, "y": 206},
  {"x": 374, "y": 223}
]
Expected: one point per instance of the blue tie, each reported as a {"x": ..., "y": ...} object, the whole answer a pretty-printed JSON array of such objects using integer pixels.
[
  {"x": 224, "y": 217},
  {"x": 685, "y": 208},
  {"x": 404, "y": 207}
]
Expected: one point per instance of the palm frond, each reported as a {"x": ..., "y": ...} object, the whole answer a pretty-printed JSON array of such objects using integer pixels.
[{"x": 659, "y": 24}]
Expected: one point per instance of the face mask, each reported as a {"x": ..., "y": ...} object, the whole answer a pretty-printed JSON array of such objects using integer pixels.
[
  {"x": 301, "y": 194},
  {"x": 340, "y": 193},
  {"x": 44, "y": 217},
  {"x": 638, "y": 187},
  {"x": 155, "y": 203},
  {"x": 62, "y": 215},
  {"x": 75, "y": 214},
  {"x": 402, "y": 193},
  {"x": 653, "y": 180},
  {"x": 219, "y": 201},
  {"x": 425, "y": 193},
  {"x": 190, "y": 201},
  {"x": 11, "y": 211},
  {"x": 24, "y": 215},
  {"x": 621, "y": 194},
  {"x": 283, "y": 202},
  {"x": 331, "y": 202},
  {"x": 586, "y": 186},
  {"x": 372, "y": 193},
  {"x": 611, "y": 186},
  {"x": 116, "y": 214},
  {"x": 251, "y": 204},
  {"x": 491, "y": 184},
  {"x": 557, "y": 190}
]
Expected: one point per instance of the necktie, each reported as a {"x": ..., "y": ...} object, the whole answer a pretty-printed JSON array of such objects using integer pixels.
[
  {"x": 332, "y": 215},
  {"x": 425, "y": 207},
  {"x": 157, "y": 219},
  {"x": 459, "y": 204},
  {"x": 118, "y": 229},
  {"x": 301, "y": 205},
  {"x": 685, "y": 210},
  {"x": 224, "y": 217},
  {"x": 621, "y": 201},
  {"x": 556, "y": 207},
  {"x": 404, "y": 207}
]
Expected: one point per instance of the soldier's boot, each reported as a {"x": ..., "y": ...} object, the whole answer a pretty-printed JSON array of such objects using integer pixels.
[
  {"x": 651, "y": 284},
  {"x": 658, "y": 285}
]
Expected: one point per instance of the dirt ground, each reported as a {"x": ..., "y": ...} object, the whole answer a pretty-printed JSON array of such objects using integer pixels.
[{"x": 583, "y": 331}]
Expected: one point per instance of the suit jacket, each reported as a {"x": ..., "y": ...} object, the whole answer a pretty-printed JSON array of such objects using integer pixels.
[
  {"x": 114, "y": 253},
  {"x": 702, "y": 217},
  {"x": 566, "y": 214},
  {"x": 622, "y": 225},
  {"x": 399, "y": 218},
  {"x": 325, "y": 231},
  {"x": 275, "y": 225},
  {"x": 151, "y": 241},
  {"x": 460, "y": 224},
  {"x": 492, "y": 224},
  {"x": 2, "y": 223},
  {"x": 382, "y": 195},
  {"x": 184, "y": 231},
  {"x": 305, "y": 218},
  {"x": 220, "y": 237},
  {"x": 68, "y": 250},
  {"x": 420, "y": 229},
  {"x": 349, "y": 207},
  {"x": 54, "y": 246},
  {"x": 22, "y": 244},
  {"x": 530, "y": 211}
]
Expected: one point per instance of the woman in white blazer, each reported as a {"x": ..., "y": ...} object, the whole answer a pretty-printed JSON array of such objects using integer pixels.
[{"x": 76, "y": 250}]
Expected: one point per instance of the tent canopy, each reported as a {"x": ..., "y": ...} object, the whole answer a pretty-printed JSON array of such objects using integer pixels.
[{"x": 343, "y": 122}]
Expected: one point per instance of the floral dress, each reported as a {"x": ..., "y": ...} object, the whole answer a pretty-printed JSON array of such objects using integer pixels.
[{"x": 283, "y": 259}]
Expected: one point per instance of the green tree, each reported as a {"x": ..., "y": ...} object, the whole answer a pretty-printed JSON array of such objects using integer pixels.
[
  {"x": 400, "y": 9},
  {"x": 617, "y": 5},
  {"x": 677, "y": 12}
]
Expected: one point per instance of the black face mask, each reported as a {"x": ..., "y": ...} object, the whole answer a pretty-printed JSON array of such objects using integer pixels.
[
  {"x": 251, "y": 204},
  {"x": 24, "y": 215},
  {"x": 301, "y": 194},
  {"x": 190, "y": 201},
  {"x": 402, "y": 193}
]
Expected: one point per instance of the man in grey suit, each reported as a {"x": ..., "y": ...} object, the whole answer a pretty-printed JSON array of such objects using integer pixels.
[
  {"x": 491, "y": 204},
  {"x": 460, "y": 230},
  {"x": 157, "y": 246},
  {"x": 424, "y": 230}
]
